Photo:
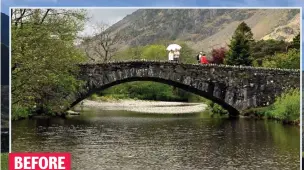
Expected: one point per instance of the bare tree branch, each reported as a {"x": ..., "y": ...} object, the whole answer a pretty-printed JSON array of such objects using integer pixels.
[
  {"x": 45, "y": 15},
  {"x": 101, "y": 46}
]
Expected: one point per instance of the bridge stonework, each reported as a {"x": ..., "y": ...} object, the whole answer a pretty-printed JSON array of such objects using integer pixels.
[{"x": 236, "y": 88}]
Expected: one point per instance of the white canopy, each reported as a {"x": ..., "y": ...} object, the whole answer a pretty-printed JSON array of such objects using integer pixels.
[{"x": 173, "y": 47}]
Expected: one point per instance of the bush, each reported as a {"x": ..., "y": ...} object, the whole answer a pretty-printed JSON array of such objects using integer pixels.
[
  {"x": 218, "y": 55},
  {"x": 94, "y": 96},
  {"x": 20, "y": 112},
  {"x": 287, "y": 106},
  {"x": 216, "y": 109}
]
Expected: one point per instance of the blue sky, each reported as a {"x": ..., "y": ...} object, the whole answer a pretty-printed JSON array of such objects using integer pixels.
[
  {"x": 148, "y": 3},
  {"x": 215, "y": 3}
]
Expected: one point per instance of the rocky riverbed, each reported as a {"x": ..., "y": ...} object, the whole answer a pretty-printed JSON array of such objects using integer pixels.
[{"x": 146, "y": 106}]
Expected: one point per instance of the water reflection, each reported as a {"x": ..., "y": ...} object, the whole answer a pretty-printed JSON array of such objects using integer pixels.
[{"x": 125, "y": 140}]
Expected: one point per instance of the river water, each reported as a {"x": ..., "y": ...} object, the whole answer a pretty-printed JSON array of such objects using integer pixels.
[{"x": 126, "y": 140}]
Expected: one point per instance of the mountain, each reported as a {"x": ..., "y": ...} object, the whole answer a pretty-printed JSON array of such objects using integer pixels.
[
  {"x": 4, "y": 49},
  {"x": 203, "y": 29},
  {"x": 285, "y": 32}
]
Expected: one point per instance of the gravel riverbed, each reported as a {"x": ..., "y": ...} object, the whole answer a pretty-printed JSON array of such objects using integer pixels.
[{"x": 147, "y": 106}]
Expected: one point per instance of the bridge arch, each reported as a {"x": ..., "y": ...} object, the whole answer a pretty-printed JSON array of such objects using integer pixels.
[
  {"x": 236, "y": 88},
  {"x": 229, "y": 108}
]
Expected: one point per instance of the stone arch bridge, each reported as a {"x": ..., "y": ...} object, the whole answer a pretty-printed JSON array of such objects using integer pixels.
[{"x": 236, "y": 88}]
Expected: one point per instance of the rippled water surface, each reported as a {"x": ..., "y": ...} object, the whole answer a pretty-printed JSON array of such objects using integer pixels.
[{"x": 125, "y": 140}]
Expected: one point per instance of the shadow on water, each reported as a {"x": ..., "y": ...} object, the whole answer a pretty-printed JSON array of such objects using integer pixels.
[{"x": 117, "y": 139}]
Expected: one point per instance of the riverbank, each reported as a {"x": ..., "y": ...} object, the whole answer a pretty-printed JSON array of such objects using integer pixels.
[
  {"x": 144, "y": 106},
  {"x": 161, "y": 107},
  {"x": 266, "y": 113}
]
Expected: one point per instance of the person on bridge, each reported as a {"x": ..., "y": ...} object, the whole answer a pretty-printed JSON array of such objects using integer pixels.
[
  {"x": 204, "y": 59},
  {"x": 198, "y": 57},
  {"x": 176, "y": 56},
  {"x": 171, "y": 56}
]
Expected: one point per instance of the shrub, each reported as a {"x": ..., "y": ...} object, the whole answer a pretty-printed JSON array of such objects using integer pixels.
[
  {"x": 218, "y": 55},
  {"x": 287, "y": 106},
  {"x": 217, "y": 109},
  {"x": 94, "y": 96},
  {"x": 20, "y": 112}
]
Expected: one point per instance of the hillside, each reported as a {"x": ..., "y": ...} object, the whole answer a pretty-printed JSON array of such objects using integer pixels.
[
  {"x": 286, "y": 32},
  {"x": 203, "y": 29}
]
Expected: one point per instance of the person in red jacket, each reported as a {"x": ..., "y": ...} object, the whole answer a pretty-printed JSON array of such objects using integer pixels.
[{"x": 204, "y": 59}]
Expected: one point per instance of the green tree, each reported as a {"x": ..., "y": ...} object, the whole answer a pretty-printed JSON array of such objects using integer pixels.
[
  {"x": 262, "y": 48},
  {"x": 44, "y": 57},
  {"x": 129, "y": 54},
  {"x": 239, "y": 49},
  {"x": 154, "y": 52},
  {"x": 296, "y": 42},
  {"x": 289, "y": 60},
  {"x": 187, "y": 54}
]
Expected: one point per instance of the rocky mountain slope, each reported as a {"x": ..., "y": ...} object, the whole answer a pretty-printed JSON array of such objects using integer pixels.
[{"x": 204, "y": 29}]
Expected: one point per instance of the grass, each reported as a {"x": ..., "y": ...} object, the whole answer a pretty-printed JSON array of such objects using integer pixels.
[
  {"x": 4, "y": 161},
  {"x": 256, "y": 112}
]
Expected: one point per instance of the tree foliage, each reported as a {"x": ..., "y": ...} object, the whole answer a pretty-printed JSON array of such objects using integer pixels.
[
  {"x": 146, "y": 90},
  {"x": 296, "y": 42},
  {"x": 239, "y": 48},
  {"x": 279, "y": 58},
  {"x": 263, "y": 48},
  {"x": 289, "y": 60},
  {"x": 187, "y": 54},
  {"x": 218, "y": 55},
  {"x": 155, "y": 52},
  {"x": 44, "y": 56}
]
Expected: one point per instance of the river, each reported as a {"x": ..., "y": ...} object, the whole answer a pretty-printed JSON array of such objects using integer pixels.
[{"x": 112, "y": 139}]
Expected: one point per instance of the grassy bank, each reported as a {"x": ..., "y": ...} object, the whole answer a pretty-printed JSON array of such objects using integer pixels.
[
  {"x": 4, "y": 161},
  {"x": 285, "y": 109}
]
